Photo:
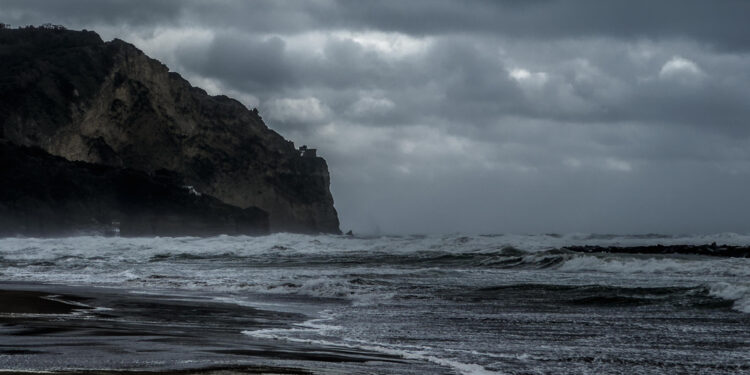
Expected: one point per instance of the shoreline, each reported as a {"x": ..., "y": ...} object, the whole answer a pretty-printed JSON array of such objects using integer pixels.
[
  {"x": 36, "y": 302},
  {"x": 60, "y": 329},
  {"x": 219, "y": 370}
]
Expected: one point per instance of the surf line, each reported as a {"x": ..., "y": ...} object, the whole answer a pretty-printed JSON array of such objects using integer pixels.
[{"x": 318, "y": 327}]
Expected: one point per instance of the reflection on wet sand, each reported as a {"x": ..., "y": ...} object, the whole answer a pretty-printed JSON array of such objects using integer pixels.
[{"x": 80, "y": 330}]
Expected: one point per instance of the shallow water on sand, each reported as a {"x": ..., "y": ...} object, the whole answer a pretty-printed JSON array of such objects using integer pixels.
[{"x": 505, "y": 304}]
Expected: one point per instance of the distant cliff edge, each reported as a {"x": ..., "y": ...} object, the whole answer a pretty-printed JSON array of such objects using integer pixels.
[{"x": 107, "y": 103}]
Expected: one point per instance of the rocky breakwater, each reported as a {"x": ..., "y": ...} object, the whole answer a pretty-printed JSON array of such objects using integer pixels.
[
  {"x": 712, "y": 249},
  {"x": 107, "y": 103}
]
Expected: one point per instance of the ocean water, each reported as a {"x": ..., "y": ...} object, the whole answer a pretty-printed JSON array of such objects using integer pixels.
[{"x": 452, "y": 304}]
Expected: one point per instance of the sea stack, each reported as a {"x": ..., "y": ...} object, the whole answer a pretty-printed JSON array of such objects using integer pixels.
[{"x": 106, "y": 103}]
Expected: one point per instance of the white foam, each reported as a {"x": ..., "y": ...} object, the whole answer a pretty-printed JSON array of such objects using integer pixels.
[
  {"x": 138, "y": 249},
  {"x": 739, "y": 293},
  {"x": 105, "y": 250},
  {"x": 298, "y": 264},
  {"x": 320, "y": 328},
  {"x": 627, "y": 264},
  {"x": 284, "y": 334},
  {"x": 58, "y": 298},
  {"x": 253, "y": 304}
]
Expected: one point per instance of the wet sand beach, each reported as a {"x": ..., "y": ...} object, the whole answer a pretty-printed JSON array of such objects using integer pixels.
[
  {"x": 34, "y": 302},
  {"x": 86, "y": 330},
  {"x": 237, "y": 370}
]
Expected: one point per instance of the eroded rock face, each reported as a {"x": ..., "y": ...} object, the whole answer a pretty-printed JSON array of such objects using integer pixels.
[
  {"x": 46, "y": 195},
  {"x": 108, "y": 103}
]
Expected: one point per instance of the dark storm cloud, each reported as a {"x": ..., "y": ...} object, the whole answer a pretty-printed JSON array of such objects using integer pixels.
[
  {"x": 452, "y": 79},
  {"x": 79, "y": 12},
  {"x": 230, "y": 57},
  {"x": 690, "y": 19},
  {"x": 457, "y": 79},
  {"x": 481, "y": 116}
]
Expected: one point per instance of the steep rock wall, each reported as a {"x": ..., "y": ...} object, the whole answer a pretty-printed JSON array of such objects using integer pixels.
[
  {"x": 46, "y": 195},
  {"x": 108, "y": 103}
]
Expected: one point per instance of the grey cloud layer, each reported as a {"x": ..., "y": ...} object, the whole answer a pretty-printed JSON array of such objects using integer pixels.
[
  {"x": 721, "y": 23},
  {"x": 478, "y": 115},
  {"x": 690, "y": 19},
  {"x": 466, "y": 80}
]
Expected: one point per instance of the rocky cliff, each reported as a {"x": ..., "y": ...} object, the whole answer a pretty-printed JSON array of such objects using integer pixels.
[
  {"x": 75, "y": 96},
  {"x": 46, "y": 195}
]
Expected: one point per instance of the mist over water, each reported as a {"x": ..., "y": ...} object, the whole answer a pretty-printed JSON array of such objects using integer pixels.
[{"x": 465, "y": 304}]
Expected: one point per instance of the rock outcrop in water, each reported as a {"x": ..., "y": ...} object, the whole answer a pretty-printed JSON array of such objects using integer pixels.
[
  {"x": 45, "y": 195},
  {"x": 707, "y": 249},
  {"x": 75, "y": 96}
]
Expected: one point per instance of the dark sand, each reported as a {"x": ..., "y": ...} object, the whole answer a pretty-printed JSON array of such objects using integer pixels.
[
  {"x": 30, "y": 302},
  {"x": 83, "y": 330},
  {"x": 202, "y": 371}
]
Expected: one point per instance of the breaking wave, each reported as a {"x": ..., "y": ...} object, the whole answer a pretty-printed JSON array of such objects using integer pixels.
[
  {"x": 735, "y": 292},
  {"x": 371, "y": 269}
]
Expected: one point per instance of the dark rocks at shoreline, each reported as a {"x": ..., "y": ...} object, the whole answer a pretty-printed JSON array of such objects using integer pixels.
[
  {"x": 46, "y": 195},
  {"x": 78, "y": 97},
  {"x": 707, "y": 249}
]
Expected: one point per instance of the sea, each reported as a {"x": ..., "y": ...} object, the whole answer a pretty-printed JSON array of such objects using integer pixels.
[{"x": 413, "y": 304}]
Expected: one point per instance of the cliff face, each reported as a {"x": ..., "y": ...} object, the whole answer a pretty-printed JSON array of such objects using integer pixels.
[
  {"x": 44, "y": 195},
  {"x": 108, "y": 103}
]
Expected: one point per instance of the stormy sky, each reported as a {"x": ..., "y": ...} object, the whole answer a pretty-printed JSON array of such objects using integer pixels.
[{"x": 523, "y": 116}]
